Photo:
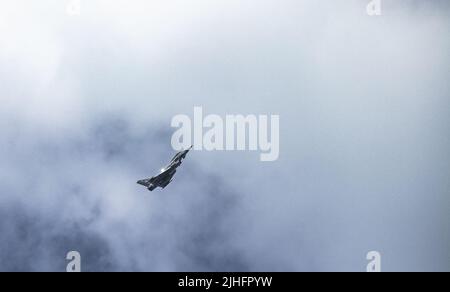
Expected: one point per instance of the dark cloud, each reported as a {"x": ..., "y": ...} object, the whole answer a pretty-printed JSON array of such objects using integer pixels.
[
  {"x": 32, "y": 242},
  {"x": 199, "y": 239}
]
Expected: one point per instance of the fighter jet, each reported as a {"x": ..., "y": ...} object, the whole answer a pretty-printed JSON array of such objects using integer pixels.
[{"x": 166, "y": 175}]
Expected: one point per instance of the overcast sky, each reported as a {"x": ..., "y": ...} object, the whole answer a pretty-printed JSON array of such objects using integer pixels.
[{"x": 86, "y": 106}]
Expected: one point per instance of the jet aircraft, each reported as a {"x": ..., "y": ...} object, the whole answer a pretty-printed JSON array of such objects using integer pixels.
[{"x": 165, "y": 177}]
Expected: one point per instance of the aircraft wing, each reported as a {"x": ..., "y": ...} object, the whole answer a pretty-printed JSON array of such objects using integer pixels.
[
  {"x": 167, "y": 179},
  {"x": 164, "y": 179},
  {"x": 144, "y": 182}
]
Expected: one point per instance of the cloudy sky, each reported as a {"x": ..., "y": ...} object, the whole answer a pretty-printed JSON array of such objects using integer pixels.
[{"x": 86, "y": 106}]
